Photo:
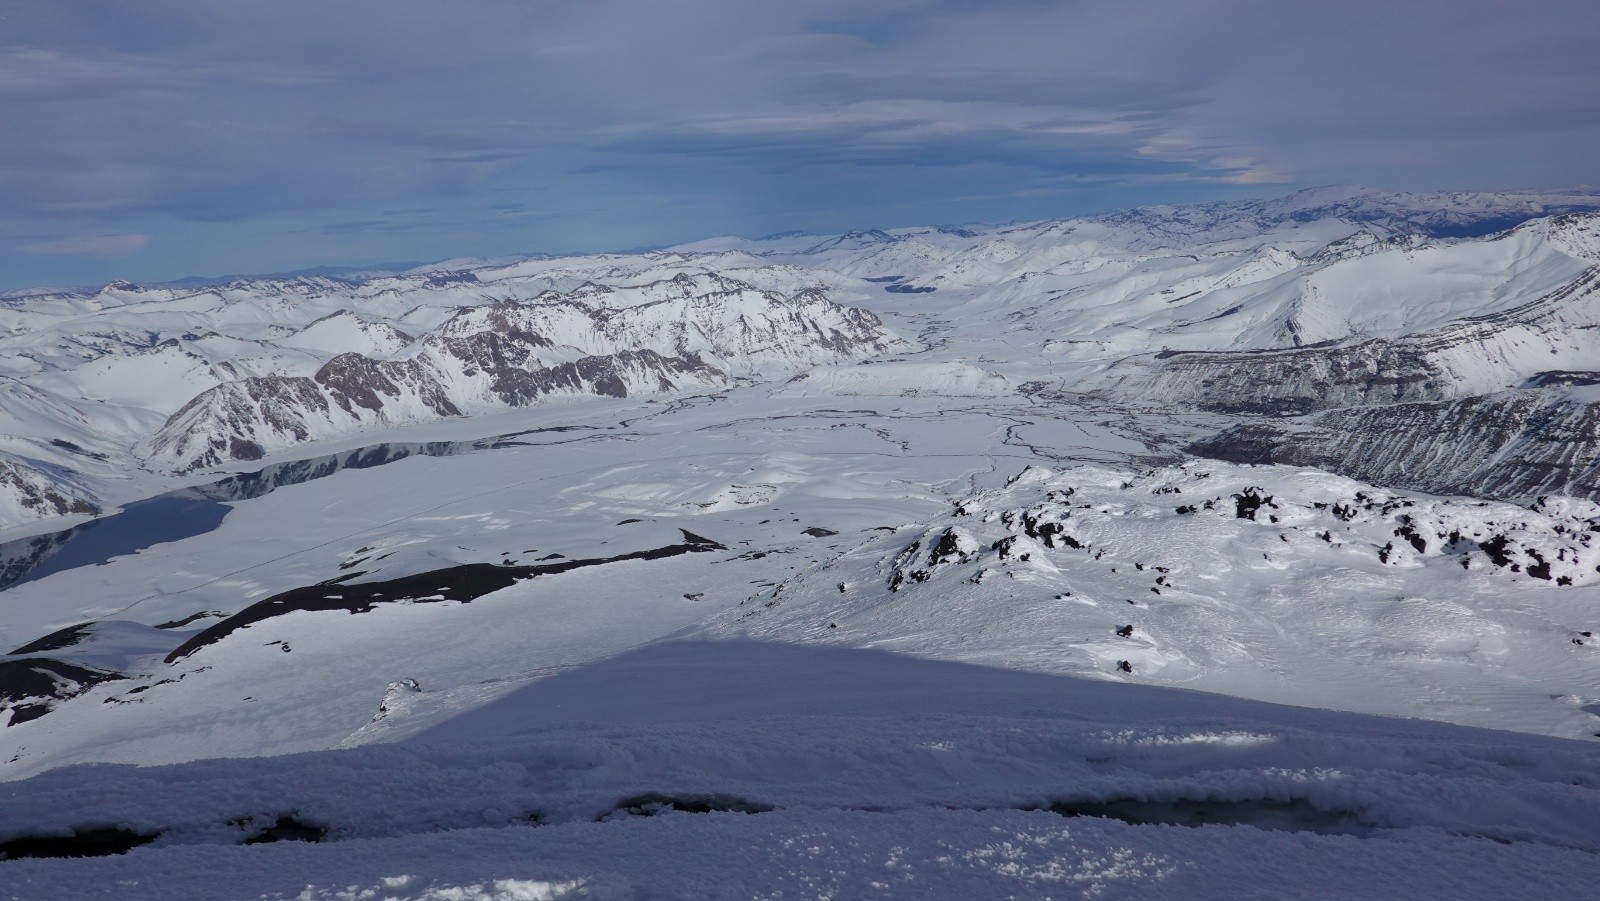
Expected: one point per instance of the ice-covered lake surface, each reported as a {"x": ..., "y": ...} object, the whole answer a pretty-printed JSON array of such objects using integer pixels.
[
  {"x": 197, "y": 509},
  {"x": 933, "y": 624}
]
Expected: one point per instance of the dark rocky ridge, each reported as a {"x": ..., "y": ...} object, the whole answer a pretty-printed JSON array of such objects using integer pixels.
[
  {"x": 1313, "y": 378},
  {"x": 30, "y": 686},
  {"x": 460, "y": 584},
  {"x": 1511, "y": 445},
  {"x": 224, "y": 423}
]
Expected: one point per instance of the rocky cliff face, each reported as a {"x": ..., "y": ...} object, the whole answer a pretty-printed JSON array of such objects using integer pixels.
[
  {"x": 684, "y": 333},
  {"x": 1510, "y": 444},
  {"x": 1466, "y": 357},
  {"x": 243, "y": 420},
  {"x": 29, "y": 491}
]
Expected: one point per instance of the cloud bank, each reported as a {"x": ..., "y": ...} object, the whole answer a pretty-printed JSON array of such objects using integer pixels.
[{"x": 262, "y": 135}]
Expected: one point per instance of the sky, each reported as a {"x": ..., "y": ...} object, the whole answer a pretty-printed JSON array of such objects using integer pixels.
[{"x": 166, "y": 138}]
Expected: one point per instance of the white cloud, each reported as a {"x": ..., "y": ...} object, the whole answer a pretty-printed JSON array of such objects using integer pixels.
[{"x": 635, "y": 122}]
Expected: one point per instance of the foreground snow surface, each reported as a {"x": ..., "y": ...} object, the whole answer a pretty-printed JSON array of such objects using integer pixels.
[{"x": 826, "y": 772}]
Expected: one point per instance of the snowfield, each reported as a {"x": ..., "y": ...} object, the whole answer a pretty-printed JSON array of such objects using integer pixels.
[
  {"x": 897, "y": 380},
  {"x": 1234, "y": 549},
  {"x": 1282, "y": 585},
  {"x": 696, "y": 769}
]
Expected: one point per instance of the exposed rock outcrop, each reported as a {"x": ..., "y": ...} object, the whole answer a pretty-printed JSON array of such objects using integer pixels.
[
  {"x": 1470, "y": 356},
  {"x": 1509, "y": 445},
  {"x": 687, "y": 332},
  {"x": 242, "y": 420},
  {"x": 37, "y": 491}
]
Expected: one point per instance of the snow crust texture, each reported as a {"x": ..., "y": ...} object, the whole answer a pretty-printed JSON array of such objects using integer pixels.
[{"x": 707, "y": 769}]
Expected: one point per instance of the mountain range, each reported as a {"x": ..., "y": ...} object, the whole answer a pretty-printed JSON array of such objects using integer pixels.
[{"x": 1003, "y": 523}]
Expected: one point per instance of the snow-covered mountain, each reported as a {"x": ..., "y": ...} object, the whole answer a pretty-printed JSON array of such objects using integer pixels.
[
  {"x": 1056, "y": 470},
  {"x": 239, "y": 370},
  {"x": 31, "y": 489},
  {"x": 1480, "y": 343}
]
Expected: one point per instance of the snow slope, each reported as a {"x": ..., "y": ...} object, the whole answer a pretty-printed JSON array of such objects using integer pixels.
[
  {"x": 1284, "y": 585},
  {"x": 695, "y": 770}
]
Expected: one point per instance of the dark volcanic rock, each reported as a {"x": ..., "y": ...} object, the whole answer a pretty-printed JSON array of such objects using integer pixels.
[
  {"x": 30, "y": 686},
  {"x": 1509, "y": 445},
  {"x": 101, "y": 842},
  {"x": 460, "y": 584}
]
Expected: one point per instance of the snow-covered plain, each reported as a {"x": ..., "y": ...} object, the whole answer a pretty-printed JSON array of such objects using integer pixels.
[{"x": 710, "y": 575}]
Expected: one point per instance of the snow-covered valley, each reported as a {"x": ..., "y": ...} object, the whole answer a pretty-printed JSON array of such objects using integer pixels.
[{"x": 984, "y": 558}]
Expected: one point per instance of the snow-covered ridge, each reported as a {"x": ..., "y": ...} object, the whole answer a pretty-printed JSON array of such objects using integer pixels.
[
  {"x": 1405, "y": 313},
  {"x": 274, "y": 370},
  {"x": 1265, "y": 582},
  {"x": 1481, "y": 401},
  {"x": 1472, "y": 355}
]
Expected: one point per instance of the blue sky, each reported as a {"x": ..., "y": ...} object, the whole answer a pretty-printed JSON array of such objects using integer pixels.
[{"x": 161, "y": 138}]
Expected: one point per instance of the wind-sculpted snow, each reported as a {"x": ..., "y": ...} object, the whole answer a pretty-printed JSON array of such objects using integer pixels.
[
  {"x": 839, "y": 773},
  {"x": 1270, "y": 583}
]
